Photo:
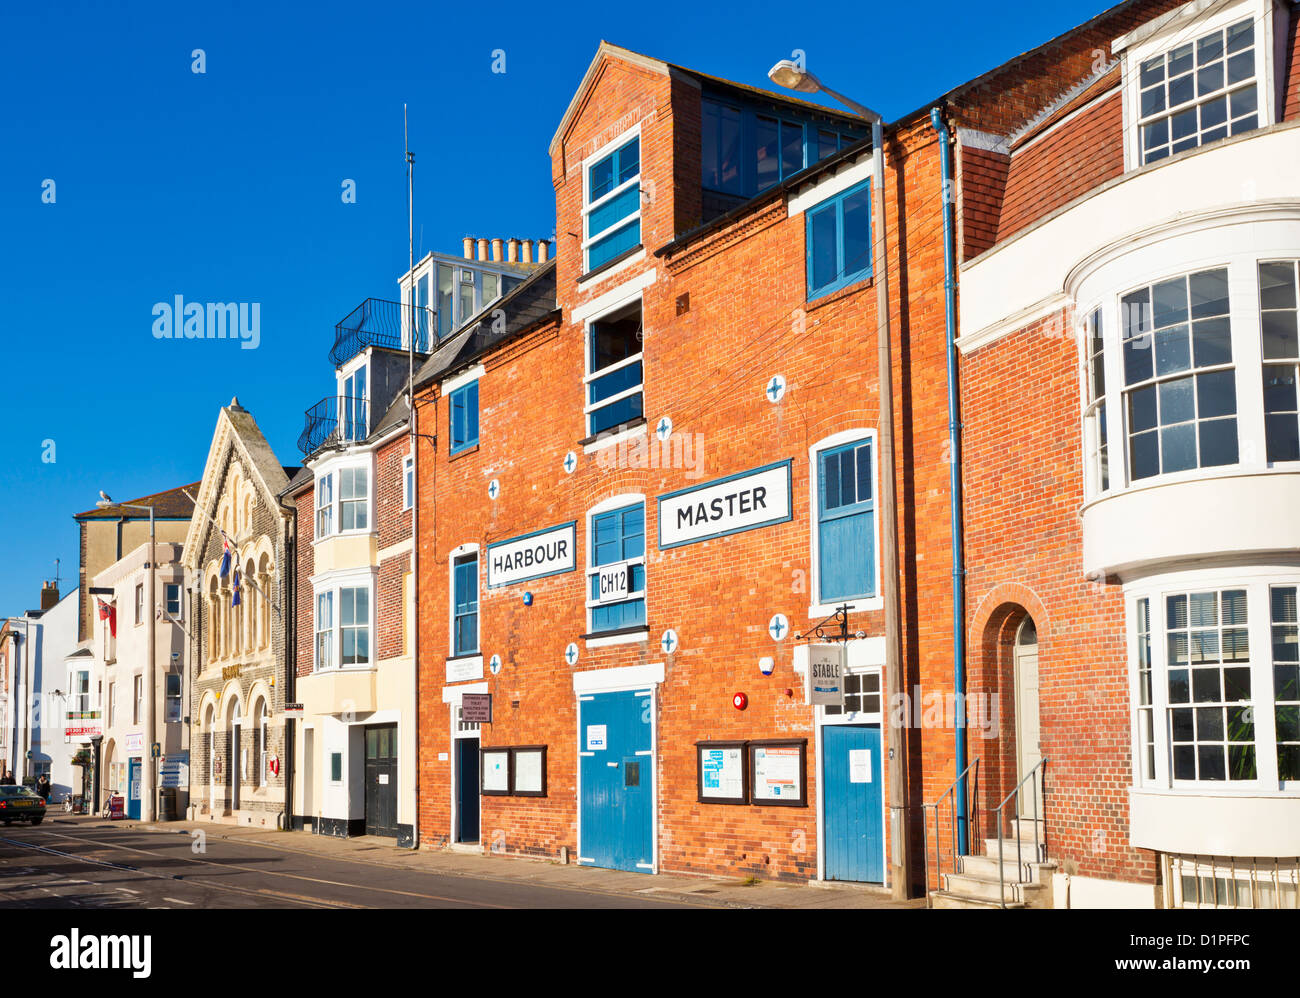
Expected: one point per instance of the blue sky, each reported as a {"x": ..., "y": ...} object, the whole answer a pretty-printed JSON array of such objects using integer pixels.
[{"x": 225, "y": 186}]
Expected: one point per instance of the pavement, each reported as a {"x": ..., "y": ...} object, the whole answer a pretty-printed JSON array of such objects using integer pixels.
[{"x": 368, "y": 850}]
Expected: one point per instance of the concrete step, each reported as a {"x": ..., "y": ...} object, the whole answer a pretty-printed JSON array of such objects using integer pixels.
[
  {"x": 987, "y": 889},
  {"x": 1029, "y": 852},
  {"x": 1027, "y": 829},
  {"x": 945, "y": 899},
  {"x": 987, "y": 867}
]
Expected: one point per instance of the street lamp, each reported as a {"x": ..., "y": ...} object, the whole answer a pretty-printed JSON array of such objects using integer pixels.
[
  {"x": 793, "y": 76},
  {"x": 146, "y": 762}
]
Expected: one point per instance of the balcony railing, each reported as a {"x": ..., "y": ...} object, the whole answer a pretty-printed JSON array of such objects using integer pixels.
[
  {"x": 379, "y": 323},
  {"x": 334, "y": 420}
]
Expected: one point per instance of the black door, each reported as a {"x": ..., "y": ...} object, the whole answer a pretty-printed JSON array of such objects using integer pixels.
[
  {"x": 467, "y": 777},
  {"x": 381, "y": 780}
]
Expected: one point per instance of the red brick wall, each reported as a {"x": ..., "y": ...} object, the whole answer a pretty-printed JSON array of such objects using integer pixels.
[
  {"x": 1067, "y": 161},
  {"x": 392, "y": 521},
  {"x": 706, "y": 369},
  {"x": 304, "y": 610},
  {"x": 1023, "y": 483}
]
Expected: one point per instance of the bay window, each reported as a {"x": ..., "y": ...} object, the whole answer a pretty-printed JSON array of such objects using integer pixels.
[
  {"x": 1095, "y": 431},
  {"x": 1281, "y": 344},
  {"x": 325, "y": 630},
  {"x": 1179, "y": 383},
  {"x": 325, "y": 505},
  {"x": 1215, "y": 684},
  {"x": 354, "y": 625},
  {"x": 354, "y": 498}
]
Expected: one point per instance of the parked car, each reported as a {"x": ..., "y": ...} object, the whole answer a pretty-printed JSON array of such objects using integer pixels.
[{"x": 21, "y": 804}]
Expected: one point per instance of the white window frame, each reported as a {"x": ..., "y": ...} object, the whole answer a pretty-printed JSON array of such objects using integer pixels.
[
  {"x": 588, "y": 207},
  {"x": 1096, "y": 410},
  {"x": 460, "y": 551},
  {"x": 180, "y": 599},
  {"x": 1249, "y": 402},
  {"x": 1178, "y": 27},
  {"x": 408, "y": 481},
  {"x": 335, "y": 471},
  {"x": 610, "y": 436},
  {"x": 345, "y": 373},
  {"x": 137, "y": 708},
  {"x": 333, "y": 584},
  {"x": 324, "y": 513},
  {"x": 608, "y": 506},
  {"x": 139, "y": 603},
  {"x": 817, "y": 609},
  {"x": 318, "y": 631},
  {"x": 1257, "y": 581}
]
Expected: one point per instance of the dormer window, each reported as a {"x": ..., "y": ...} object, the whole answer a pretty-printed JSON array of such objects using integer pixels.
[
  {"x": 1198, "y": 92},
  {"x": 352, "y": 406}
]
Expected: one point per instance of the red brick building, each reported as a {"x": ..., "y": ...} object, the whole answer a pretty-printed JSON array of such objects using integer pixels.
[{"x": 657, "y": 469}]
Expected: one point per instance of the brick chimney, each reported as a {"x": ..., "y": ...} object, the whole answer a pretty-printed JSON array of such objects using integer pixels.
[{"x": 49, "y": 595}]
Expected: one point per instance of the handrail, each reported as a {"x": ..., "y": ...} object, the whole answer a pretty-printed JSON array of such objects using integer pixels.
[
  {"x": 971, "y": 795},
  {"x": 1039, "y": 856}
]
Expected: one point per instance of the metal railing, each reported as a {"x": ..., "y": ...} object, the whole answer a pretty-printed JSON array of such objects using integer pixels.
[
  {"x": 335, "y": 419},
  {"x": 1023, "y": 873},
  {"x": 380, "y": 323},
  {"x": 970, "y": 788},
  {"x": 1231, "y": 882}
]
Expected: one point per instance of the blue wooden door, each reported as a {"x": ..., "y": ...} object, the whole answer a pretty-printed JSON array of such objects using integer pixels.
[
  {"x": 133, "y": 789},
  {"x": 467, "y": 790},
  {"x": 854, "y": 833},
  {"x": 614, "y": 753}
]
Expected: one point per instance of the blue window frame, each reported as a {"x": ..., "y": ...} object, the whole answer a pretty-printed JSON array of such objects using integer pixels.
[
  {"x": 613, "y": 204},
  {"x": 846, "y": 514},
  {"x": 465, "y": 605},
  {"x": 839, "y": 241},
  {"x": 618, "y": 536},
  {"x": 464, "y": 417},
  {"x": 744, "y": 152}
]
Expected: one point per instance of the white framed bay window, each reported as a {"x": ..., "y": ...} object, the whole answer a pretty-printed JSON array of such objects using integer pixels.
[
  {"x": 344, "y": 621},
  {"x": 1215, "y": 681},
  {"x": 344, "y": 497}
]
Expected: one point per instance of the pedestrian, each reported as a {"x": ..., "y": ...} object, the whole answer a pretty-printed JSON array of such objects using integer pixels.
[
  {"x": 43, "y": 787},
  {"x": 7, "y": 779}
]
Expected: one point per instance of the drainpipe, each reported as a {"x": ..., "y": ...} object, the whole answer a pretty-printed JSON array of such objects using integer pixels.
[{"x": 954, "y": 480}]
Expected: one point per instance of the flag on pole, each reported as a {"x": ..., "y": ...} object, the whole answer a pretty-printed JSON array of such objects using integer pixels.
[
  {"x": 234, "y": 596},
  {"x": 109, "y": 613},
  {"x": 225, "y": 557}
]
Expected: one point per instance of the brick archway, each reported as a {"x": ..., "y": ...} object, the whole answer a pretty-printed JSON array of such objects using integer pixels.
[{"x": 990, "y": 675}]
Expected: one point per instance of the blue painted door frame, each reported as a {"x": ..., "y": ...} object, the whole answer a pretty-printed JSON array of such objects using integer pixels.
[
  {"x": 616, "y": 770},
  {"x": 853, "y": 836},
  {"x": 133, "y": 784}
]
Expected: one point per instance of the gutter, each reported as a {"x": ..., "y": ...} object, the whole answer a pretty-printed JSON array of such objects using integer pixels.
[{"x": 954, "y": 477}]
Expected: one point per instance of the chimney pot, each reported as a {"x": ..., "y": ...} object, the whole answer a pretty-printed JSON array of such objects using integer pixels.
[
  {"x": 469, "y": 247},
  {"x": 49, "y": 595},
  {"x": 482, "y": 249},
  {"x": 496, "y": 250},
  {"x": 543, "y": 248},
  {"x": 512, "y": 251},
  {"x": 527, "y": 247}
]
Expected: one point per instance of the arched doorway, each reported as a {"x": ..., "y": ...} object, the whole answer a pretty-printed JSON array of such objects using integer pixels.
[
  {"x": 210, "y": 747},
  {"x": 1028, "y": 748}
]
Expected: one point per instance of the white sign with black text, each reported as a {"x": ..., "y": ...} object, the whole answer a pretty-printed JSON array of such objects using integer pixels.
[
  {"x": 752, "y": 499},
  {"x": 614, "y": 582},
  {"x": 546, "y": 552}
]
